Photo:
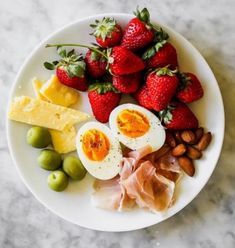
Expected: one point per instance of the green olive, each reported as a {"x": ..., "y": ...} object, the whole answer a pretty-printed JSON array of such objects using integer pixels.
[
  {"x": 38, "y": 137},
  {"x": 74, "y": 168},
  {"x": 49, "y": 159},
  {"x": 58, "y": 181}
]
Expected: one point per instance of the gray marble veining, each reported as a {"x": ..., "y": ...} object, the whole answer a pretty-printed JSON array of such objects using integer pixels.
[{"x": 209, "y": 221}]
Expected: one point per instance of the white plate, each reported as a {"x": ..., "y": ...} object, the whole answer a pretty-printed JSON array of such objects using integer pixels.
[{"x": 74, "y": 204}]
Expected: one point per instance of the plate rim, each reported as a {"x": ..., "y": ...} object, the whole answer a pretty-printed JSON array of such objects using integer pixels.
[{"x": 24, "y": 64}]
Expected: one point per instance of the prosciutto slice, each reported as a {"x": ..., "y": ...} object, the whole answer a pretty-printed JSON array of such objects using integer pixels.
[{"x": 146, "y": 179}]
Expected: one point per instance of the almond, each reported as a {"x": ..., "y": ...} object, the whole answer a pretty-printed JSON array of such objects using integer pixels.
[
  {"x": 170, "y": 140},
  {"x": 204, "y": 141},
  {"x": 178, "y": 137},
  {"x": 188, "y": 136},
  {"x": 199, "y": 132},
  {"x": 193, "y": 153},
  {"x": 179, "y": 150},
  {"x": 187, "y": 165}
]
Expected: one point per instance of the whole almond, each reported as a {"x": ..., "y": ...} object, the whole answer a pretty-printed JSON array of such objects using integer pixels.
[
  {"x": 178, "y": 137},
  {"x": 170, "y": 140},
  {"x": 193, "y": 153},
  {"x": 204, "y": 141},
  {"x": 188, "y": 136},
  {"x": 199, "y": 132},
  {"x": 187, "y": 165},
  {"x": 179, "y": 150}
]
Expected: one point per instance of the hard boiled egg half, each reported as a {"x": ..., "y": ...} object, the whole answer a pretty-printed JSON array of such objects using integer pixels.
[
  {"x": 99, "y": 150},
  {"x": 136, "y": 127}
]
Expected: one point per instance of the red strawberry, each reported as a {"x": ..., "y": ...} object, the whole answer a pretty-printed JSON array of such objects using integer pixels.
[
  {"x": 127, "y": 84},
  {"x": 107, "y": 32},
  {"x": 78, "y": 83},
  {"x": 70, "y": 69},
  {"x": 178, "y": 116},
  {"x": 103, "y": 99},
  {"x": 190, "y": 88},
  {"x": 123, "y": 62},
  {"x": 162, "y": 84},
  {"x": 160, "y": 55},
  {"x": 143, "y": 98},
  {"x": 138, "y": 33},
  {"x": 96, "y": 64}
]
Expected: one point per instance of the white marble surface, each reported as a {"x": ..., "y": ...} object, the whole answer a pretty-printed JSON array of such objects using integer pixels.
[{"x": 209, "y": 221}]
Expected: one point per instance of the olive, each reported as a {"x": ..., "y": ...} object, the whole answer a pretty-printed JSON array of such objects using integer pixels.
[
  {"x": 49, "y": 159},
  {"x": 58, "y": 181},
  {"x": 38, "y": 137},
  {"x": 74, "y": 168}
]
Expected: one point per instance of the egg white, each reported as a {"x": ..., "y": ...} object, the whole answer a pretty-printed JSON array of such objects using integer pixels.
[
  {"x": 155, "y": 136},
  {"x": 109, "y": 166}
]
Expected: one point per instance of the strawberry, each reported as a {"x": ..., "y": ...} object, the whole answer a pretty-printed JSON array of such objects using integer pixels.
[
  {"x": 160, "y": 55},
  {"x": 162, "y": 84},
  {"x": 107, "y": 32},
  {"x": 139, "y": 32},
  {"x": 123, "y": 62},
  {"x": 190, "y": 88},
  {"x": 95, "y": 63},
  {"x": 128, "y": 83},
  {"x": 103, "y": 98},
  {"x": 178, "y": 116},
  {"x": 70, "y": 69},
  {"x": 143, "y": 98}
]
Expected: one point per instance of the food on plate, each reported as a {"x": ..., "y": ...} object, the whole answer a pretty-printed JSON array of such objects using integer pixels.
[
  {"x": 204, "y": 141},
  {"x": 139, "y": 157},
  {"x": 187, "y": 165},
  {"x": 70, "y": 69},
  {"x": 108, "y": 32},
  {"x": 143, "y": 98},
  {"x": 127, "y": 84},
  {"x": 135, "y": 127},
  {"x": 140, "y": 32},
  {"x": 37, "y": 84},
  {"x": 58, "y": 181},
  {"x": 64, "y": 141},
  {"x": 74, "y": 168},
  {"x": 38, "y": 137},
  {"x": 37, "y": 112},
  {"x": 190, "y": 88},
  {"x": 95, "y": 64},
  {"x": 140, "y": 182},
  {"x": 103, "y": 98},
  {"x": 56, "y": 92},
  {"x": 162, "y": 84},
  {"x": 49, "y": 159},
  {"x": 178, "y": 116},
  {"x": 161, "y": 54},
  {"x": 124, "y": 62},
  {"x": 99, "y": 150}
]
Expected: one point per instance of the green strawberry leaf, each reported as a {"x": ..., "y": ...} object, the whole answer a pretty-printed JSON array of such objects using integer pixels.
[
  {"x": 166, "y": 115},
  {"x": 76, "y": 70},
  {"x": 149, "y": 53},
  {"x": 143, "y": 15},
  {"x": 102, "y": 88},
  {"x": 94, "y": 56},
  {"x": 49, "y": 66},
  {"x": 70, "y": 53},
  {"x": 62, "y": 52},
  {"x": 165, "y": 71}
]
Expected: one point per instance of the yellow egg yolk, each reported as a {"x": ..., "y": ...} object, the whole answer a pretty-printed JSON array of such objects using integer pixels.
[
  {"x": 132, "y": 123},
  {"x": 95, "y": 144}
]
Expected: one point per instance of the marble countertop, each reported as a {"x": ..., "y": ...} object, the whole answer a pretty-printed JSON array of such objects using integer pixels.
[{"x": 209, "y": 221}]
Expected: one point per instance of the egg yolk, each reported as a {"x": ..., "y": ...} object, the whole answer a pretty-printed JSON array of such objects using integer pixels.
[
  {"x": 132, "y": 123},
  {"x": 95, "y": 144}
]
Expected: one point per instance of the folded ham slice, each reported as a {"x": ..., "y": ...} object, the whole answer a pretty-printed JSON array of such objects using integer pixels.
[{"x": 146, "y": 180}]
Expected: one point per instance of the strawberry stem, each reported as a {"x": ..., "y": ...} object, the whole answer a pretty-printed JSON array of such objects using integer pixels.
[{"x": 79, "y": 45}]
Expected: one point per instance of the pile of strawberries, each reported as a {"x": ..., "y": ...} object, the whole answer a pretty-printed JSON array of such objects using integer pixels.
[{"x": 138, "y": 60}]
